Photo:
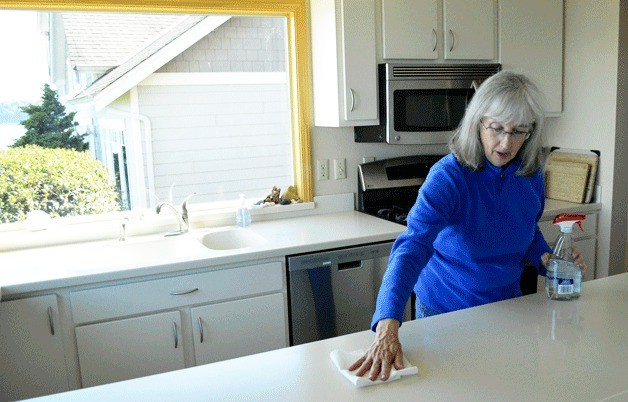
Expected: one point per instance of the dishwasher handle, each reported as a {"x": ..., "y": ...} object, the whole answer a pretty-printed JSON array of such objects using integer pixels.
[{"x": 350, "y": 265}]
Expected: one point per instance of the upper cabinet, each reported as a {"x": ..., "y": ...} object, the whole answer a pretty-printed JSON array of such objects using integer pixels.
[
  {"x": 344, "y": 66},
  {"x": 412, "y": 29},
  {"x": 469, "y": 29},
  {"x": 531, "y": 43}
]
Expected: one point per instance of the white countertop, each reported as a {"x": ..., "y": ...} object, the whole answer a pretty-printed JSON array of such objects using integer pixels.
[
  {"x": 35, "y": 270},
  {"x": 29, "y": 271},
  {"x": 528, "y": 348}
]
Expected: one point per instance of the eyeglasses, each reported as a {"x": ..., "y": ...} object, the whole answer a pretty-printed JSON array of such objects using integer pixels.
[{"x": 499, "y": 133}]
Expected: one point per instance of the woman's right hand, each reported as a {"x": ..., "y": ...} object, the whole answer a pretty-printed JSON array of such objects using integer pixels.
[{"x": 384, "y": 353}]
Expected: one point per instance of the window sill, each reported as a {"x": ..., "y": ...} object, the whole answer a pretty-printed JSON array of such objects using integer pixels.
[{"x": 85, "y": 229}]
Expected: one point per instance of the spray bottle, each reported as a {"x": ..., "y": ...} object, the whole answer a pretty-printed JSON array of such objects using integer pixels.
[{"x": 564, "y": 277}]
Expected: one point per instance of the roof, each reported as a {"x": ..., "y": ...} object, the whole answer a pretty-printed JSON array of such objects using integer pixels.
[
  {"x": 135, "y": 65},
  {"x": 101, "y": 41}
]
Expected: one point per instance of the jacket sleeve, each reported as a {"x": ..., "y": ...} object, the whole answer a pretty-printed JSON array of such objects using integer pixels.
[
  {"x": 539, "y": 245},
  {"x": 412, "y": 250}
]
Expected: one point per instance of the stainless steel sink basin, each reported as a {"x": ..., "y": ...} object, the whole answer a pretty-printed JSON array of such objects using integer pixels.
[{"x": 230, "y": 239}]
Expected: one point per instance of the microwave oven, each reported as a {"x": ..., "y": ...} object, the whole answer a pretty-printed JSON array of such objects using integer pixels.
[{"x": 423, "y": 104}]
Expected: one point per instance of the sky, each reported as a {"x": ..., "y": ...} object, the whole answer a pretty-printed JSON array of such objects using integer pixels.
[{"x": 23, "y": 70}]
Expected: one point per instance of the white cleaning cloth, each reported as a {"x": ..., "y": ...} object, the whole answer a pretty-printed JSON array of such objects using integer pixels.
[{"x": 343, "y": 360}]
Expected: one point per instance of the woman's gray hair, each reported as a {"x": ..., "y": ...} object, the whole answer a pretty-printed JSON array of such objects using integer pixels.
[{"x": 509, "y": 98}]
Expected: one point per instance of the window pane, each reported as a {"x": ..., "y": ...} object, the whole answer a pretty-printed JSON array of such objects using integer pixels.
[{"x": 176, "y": 104}]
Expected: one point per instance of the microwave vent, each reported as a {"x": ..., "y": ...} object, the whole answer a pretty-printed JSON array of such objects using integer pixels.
[{"x": 435, "y": 72}]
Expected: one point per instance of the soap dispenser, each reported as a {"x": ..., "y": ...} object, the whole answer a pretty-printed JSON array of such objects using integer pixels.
[{"x": 243, "y": 214}]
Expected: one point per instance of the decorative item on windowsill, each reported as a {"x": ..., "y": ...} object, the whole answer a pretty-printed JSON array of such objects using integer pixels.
[
  {"x": 276, "y": 198},
  {"x": 570, "y": 176}
]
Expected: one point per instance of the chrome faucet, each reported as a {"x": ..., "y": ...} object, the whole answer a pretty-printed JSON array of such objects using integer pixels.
[
  {"x": 182, "y": 218},
  {"x": 123, "y": 229}
]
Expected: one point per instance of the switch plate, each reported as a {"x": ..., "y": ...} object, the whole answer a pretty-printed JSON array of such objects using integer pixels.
[
  {"x": 322, "y": 169},
  {"x": 340, "y": 169}
]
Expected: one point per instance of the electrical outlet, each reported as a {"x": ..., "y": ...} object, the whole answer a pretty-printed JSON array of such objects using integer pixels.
[
  {"x": 340, "y": 169},
  {"x": 322, "y": 169}
]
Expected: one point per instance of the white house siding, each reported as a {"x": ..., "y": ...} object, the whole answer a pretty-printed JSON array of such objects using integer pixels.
[
  {"x": 218, "y": 140},
  {"x": 246, "y": 44}
]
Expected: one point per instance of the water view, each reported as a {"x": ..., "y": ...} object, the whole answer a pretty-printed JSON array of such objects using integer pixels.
[{"x": 9, "y": 133}]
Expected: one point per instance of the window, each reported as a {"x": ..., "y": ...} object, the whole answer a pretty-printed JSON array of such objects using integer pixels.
[{"x": 219, "y": 105}]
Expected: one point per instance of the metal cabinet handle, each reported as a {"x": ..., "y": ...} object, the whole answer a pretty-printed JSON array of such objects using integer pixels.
[
  {"x": 434, "y": 40},
  {"x": 51, "y": 323},
  {"x": 183, "y": 292},
  {"x": 453, "y": 40},
  {"x": 176, "y": 335},
  {"x": 200, "y": 329},
  {"x": 352, "y": 99}
]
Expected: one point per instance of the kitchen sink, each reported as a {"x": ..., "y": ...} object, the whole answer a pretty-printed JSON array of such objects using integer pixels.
[{"x": 230, "y": 239}]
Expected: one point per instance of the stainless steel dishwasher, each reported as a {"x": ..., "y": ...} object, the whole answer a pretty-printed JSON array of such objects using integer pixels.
[{"x": 334, "y": 292}]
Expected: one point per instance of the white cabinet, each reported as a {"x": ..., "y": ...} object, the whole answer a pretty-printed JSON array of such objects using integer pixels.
[
  {"x": 344, "y": 67},
  {"x": 129, "y": 330},
  {"x": 469, "y": 29},
  {"x": 130, "y": 348},
  {"x": 531, "y": 43},
  {"x": 238, "y": 328},
  {"x": 32, "y": 362},
  {"x": 412, "y": 29}
]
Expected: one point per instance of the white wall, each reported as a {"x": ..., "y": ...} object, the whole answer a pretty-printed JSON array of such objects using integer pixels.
[{"x": 589, "y": 113}]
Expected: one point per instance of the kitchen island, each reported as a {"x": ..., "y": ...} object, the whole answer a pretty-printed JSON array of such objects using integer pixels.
[{"x": 528, "y": 348}]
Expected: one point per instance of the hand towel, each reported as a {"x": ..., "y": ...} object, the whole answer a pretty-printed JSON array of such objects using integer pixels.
[{"x": 343, "y": 360}]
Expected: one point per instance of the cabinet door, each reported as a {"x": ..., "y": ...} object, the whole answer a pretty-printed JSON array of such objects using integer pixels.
[
  {"x": 587, "y": 249},
  {"x": 359, "y": 61},
  {"x": 344, "y": 64},
  {"x": 239, "y": 328},
  {"x": 531, "y": 43},
  {"x": 31, "y": 349},
  {"x": 469, "y": 29},
  {"x": 130, "y": 348},
  {"x": 410, "y": 29}
]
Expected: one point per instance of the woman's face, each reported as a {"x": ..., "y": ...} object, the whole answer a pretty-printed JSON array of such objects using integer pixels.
[{"x": 501, "y": 142}]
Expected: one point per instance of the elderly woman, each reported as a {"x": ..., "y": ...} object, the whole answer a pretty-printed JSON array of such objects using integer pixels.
[{"x": 474, "y": 224}]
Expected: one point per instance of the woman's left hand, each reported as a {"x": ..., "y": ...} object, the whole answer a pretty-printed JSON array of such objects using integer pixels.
[{"x": 577, "y": 257}]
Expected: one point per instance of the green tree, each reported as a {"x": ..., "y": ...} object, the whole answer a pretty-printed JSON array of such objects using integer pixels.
[
  {"x": 60, "y": 182},
  {"x": 48, "y": 125}
]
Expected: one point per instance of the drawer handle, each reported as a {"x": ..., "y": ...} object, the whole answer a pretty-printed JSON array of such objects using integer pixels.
[
  {"x": 200, "y": 329},
  {"x": 434, "y": 40},
  {"x": 183, "y": 292},
  {"x": 176, "y": 335},
  {"x": 51, "y": 323}
]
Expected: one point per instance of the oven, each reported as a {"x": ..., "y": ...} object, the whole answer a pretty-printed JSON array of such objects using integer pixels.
[{"x": 388, "y": 188}]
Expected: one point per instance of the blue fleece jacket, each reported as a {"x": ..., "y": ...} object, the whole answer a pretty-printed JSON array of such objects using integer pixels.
[{"x": 468, "y": 237}]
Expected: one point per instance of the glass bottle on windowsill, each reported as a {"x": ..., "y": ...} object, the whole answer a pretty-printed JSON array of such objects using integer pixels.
[{"x": 243, "y": 214}]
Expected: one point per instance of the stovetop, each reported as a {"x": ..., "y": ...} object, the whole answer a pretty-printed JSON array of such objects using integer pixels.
[{"x": 388, "y": 188}]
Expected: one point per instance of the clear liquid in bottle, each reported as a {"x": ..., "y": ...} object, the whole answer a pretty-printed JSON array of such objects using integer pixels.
[{"x": 563, "y": 280}]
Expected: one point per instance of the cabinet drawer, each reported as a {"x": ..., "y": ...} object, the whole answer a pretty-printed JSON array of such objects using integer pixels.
[
  {"x": 551, "y": 231},
  {"x": 141, "y": 297}
]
